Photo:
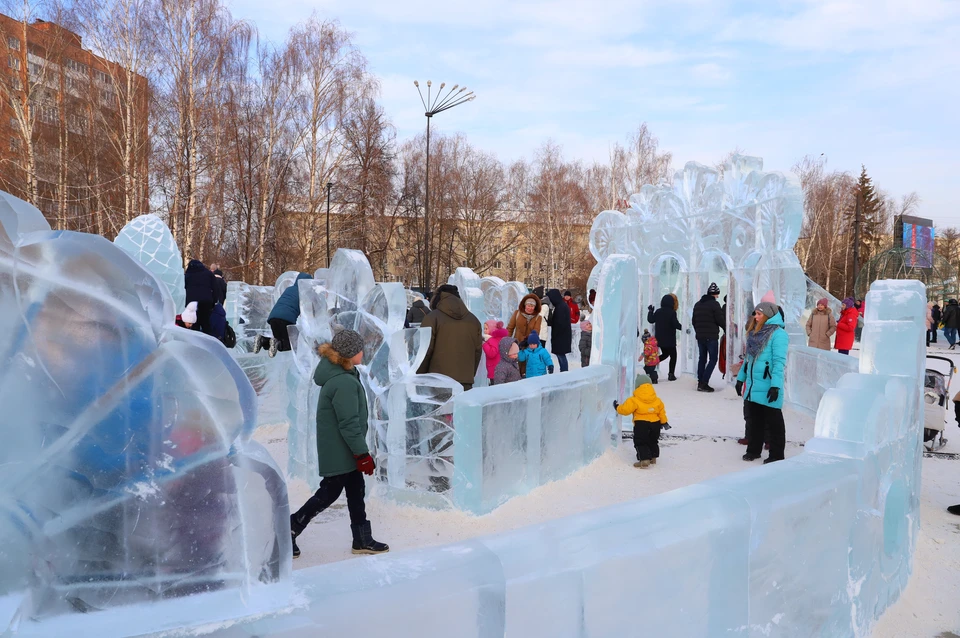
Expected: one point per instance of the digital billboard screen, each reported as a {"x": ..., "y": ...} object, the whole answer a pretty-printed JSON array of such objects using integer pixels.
[{"x": 918, "y": 234}]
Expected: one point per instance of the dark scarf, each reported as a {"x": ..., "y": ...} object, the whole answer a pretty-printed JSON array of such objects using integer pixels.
[{"x": 757, "y": 341}]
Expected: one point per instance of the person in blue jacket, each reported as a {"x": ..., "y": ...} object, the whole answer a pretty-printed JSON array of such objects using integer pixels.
[
  {"x": 760, "y": 383},
  {"x": 537, "y": 358},
  {"x": 284, "y": 313}
]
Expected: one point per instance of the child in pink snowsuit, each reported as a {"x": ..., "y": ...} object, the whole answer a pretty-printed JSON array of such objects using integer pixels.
[
  {"x": 651, "y": 356},
  {"x": 493, "y": 332}
]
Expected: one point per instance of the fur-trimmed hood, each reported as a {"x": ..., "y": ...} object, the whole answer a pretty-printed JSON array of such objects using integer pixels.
[{"x": 327, "y": 352}]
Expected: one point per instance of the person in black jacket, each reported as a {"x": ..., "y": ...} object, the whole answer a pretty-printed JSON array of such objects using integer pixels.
[
  {"x": 937, "y": 316},
  {"x": 665, "y": 329},
  {"x": 707, "y": 320},
  {"x": 200, "y": 285},
  {"x": 221, "y": 284},
  {"x": 560, "y": 333},
  {"x": 418, "y": 311}
]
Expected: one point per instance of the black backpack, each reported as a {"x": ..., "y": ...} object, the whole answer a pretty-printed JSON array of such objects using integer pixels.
[{"x": 229, "y": 337}]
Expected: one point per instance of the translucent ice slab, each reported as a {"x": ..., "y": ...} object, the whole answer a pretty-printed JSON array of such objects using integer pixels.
[
  {"x": 148, "y": 240},
  {"x": 128, "y": 472},
  {"x": 810, "y": 372},
  {"x": 511, "y": 438}
]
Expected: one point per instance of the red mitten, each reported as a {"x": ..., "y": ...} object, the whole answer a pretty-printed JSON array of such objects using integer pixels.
[{"x": 365, "y": 464}]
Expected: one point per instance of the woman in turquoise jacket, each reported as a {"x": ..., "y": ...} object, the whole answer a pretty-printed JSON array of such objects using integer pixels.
[{"x": 760, "y": 383}]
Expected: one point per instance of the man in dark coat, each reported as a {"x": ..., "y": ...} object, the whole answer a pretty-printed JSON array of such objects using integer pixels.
[
  {"x": 284, "y": 313},
  {"x": 665, "y": 329},
  {"x": 200, "y": 286},
  {"x": 561, "y": 333},
  {"x": 951, "y": 322},
  {"x": 418, "y": 311},
  {"x": 708, "y": 321},
  {"x": 456, "y": 338}
]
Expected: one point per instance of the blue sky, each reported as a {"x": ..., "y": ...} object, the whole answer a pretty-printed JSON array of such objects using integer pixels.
[{"x": 863, "y": 81}]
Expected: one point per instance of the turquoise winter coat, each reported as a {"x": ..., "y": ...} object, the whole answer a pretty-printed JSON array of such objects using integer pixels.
[
  {"x": 766, "y": 370},
  {"x": 537, "y": 361}
]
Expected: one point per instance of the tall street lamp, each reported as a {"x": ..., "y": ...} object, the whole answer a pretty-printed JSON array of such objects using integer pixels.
[{"x": 432, "y": 105}]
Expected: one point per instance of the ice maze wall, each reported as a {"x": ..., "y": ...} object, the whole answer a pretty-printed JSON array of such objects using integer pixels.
[
  {"x": 128, "y": 470},
  {"x": 817, "y": 545},
  {"x": 512, "y": 438}
]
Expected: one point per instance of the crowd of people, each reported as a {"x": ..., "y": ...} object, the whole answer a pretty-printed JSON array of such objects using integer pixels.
[{"x": 521, "y": 349}]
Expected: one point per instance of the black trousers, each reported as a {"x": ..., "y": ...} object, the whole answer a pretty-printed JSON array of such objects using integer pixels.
[
  {"x": 646, "y": 440},
  {"x": 931, "y": 336},
  {"x": 280, "y": 333},
  {"x": 204, "y": 308},
  {"x": 766, "y": 424},
  {"x": 669, "y": 353},
  {"x": 331, "y": 487}
]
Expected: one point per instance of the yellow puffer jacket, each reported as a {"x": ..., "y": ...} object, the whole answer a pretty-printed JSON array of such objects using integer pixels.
[{"x": 644, "y": 405}]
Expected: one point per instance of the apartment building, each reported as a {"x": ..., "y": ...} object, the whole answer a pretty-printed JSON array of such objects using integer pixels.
[{"x": 62, "y": 128}]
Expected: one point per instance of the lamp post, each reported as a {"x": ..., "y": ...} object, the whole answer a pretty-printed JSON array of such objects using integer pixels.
[
  {"x": 432, "y": 105},
  {"x": 329, "y": 186}
]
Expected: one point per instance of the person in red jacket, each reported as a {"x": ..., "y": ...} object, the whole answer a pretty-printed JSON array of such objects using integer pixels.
[
  {"x": 846, "y": 327},
  {"x": 493, "y": 332},
  {"x": 574, "y": 308}
]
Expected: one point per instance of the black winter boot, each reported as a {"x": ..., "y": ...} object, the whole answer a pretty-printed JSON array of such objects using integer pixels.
[
  {"x": 363, "y": 542},
  {"x": 296, "y": 528}
]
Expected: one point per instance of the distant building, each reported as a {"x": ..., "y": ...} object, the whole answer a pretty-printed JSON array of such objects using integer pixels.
[{"x": 61, "y": 128}]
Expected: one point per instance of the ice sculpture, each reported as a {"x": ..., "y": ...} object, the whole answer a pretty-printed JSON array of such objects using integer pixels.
[
  {"x": 410, "y": 414},
  {"x": 128, "y": 472},
  {"x": 810, "y": 373},
  {"x": 738, "y": 230},
  {"x": 148, "y": 240},
  {"x": 615, "y": 324},
  {"x": 512, "y": 438},
  {"x": 817, "y": 545}
]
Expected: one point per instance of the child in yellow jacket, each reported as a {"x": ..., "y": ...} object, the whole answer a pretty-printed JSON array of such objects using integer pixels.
[{"x": 649, "y": 416}]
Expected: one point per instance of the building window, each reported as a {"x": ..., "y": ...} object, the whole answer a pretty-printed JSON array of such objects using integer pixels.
[
  {"x": 497, "y": 264},
  {"x": 528, "y": 265},
  {"x": 13, "y": 43},
  {"x": 34, "y": 68},
  {"x": 14, "y": 143},
  {"x": 543, "y": 266},
  {"x": 15, "y": 83},
  {"x": 556, "y": 267},
  {"x": 106, "y": 96},
  {"x": 102, "y": 77},
  {"x": 79, "y": 67},
  {"x": 13, "y": 62}
]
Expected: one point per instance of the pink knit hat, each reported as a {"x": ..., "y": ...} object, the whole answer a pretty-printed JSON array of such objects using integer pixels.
[{"x": 768, "y": 297}]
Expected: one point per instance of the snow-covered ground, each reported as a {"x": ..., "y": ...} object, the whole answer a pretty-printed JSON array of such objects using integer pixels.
[{"x": 701, "y": 445}]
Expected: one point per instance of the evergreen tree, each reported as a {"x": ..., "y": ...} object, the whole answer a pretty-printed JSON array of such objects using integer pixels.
[{"x": 871, "y": 224}]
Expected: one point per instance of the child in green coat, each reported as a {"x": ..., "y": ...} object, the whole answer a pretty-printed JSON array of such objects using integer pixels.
[{"x": 341, "y": 442}]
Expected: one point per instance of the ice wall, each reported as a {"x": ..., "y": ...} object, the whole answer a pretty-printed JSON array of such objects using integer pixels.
[
  {"x": 817, "y": 545},
  {"x": 810, "y": 372},
  {"x": 512, "y": 438},
  {"x": 128, "y": 471},
  {"x": 615, "y": 325},
  {"x": 148, "y": 240}
]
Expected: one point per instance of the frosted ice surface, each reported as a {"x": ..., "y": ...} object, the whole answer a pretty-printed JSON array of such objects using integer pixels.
[
  {"x": 387, "y": 302},
  {"x": 726, "y": 226},
  {"x": 148, "y": 240},
  {"x": 615, "y": 323},
  {"x": 468, "y": 283},
  {"x": 512, "y": 438},
  {"x": 127, "y": 467},
  {"x": 510, "y": 296},
  {"x": 350, "y": 278}
]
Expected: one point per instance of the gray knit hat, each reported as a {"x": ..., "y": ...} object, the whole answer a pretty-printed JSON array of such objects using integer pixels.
[
  {"x": 641, "y": 379},
  {"x": 768, "y": 308},
  {"x": 347, "y": 343}
]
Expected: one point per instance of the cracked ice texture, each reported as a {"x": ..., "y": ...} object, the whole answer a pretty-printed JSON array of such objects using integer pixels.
[
  {"x": 148, "y": 240},
  {"x": 128, "y": 439}
]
